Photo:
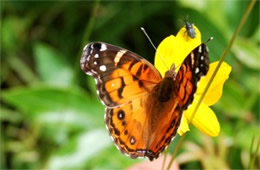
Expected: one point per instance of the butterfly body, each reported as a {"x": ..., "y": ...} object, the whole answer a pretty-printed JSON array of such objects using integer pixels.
[
  {"x": 164, "y": 91},
  {"x": 143, "y": 110}
]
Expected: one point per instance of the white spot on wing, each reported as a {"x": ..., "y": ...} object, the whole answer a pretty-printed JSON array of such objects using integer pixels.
[
  {"x": 202, "y": 57},
  {"x": 88, "y": 58},
  {"x": 192, "y": 58},
  {"x": 96, "y": 56},
  {"x": 89, "y": 73},
  {"x": 103, "y": 102},
  {"x": 132, "y": 140},
  {"x": 112, "y": 139},
  {"x": 118, "y": 56},
  {"x": 103, "y": 68},
  {"x": 95, "y": 62},
  {"x": 93, "y": 72},
  {"x": 141, "y": 157},
  {"x": 106, "y": 125},
  {"x": 85, "y": 47},
  {"x": 197, "y": 70},
  {"x": 117, "y": 147},
  {"x": 103, "y": 47},
  {"x": 200, "y": 49},
  {"x": 96, "y": 81},
  {"x": 126, "y": 154}
]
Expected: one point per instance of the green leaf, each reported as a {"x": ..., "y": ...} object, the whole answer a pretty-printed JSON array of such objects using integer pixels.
[
  {"x": 58, "y": 112},
  {"x": 77, "y": 153},
  {"x": 115, "y": 14},
  {"x": 247, "y": 52},
  {"x": 9, "y": 115},
  {"x": 104, "y": 160},
  {"x": 53, "y": 102},
  {"x": 232, "y": 100},
  {"x": 13, "y": 33},
  {"x": 245, "y": 134},
  {"x": 52, "y": 66}
]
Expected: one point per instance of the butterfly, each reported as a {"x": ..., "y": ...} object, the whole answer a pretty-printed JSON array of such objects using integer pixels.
[
  {"x": 190, "y": 29},
  {"x": 143, "y": 111}
]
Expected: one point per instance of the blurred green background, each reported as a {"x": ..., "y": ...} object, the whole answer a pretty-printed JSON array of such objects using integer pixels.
[{"x": 51, "y": 117}]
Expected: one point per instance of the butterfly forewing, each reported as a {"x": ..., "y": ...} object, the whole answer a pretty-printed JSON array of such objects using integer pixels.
[
  {"x": 195, "y": 66},
  {"x": 117, "y": 72}
]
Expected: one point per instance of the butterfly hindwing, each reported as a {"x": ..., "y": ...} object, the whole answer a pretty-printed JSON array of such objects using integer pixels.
[
  {"x": 139, "y": 134},
  {"x": 126, "y": 125}
]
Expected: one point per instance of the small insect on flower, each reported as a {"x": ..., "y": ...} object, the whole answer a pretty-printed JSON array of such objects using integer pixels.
[{"x": 190, "y": 29}]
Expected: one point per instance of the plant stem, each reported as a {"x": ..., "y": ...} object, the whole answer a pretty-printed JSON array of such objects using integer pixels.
[
  {"x": 87, "y": 33},
  {"x": 165, "y": 157},
  {"x": 255, "y": 154},
  {"x": 252, "y": 3}
]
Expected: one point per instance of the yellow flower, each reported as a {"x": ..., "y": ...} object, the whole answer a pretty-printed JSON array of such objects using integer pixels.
[{"x": 174, "y": 50}]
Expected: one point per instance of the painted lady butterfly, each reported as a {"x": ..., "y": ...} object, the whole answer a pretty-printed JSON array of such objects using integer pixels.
[{"x": 143, "y": 110}]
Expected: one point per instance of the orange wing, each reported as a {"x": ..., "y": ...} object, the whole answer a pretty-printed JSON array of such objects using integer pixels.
[
  {"x": 120, "y": 75},
  {"x": 124, "y": 81},
  {"x": 194, "y": 67},
  {"x": 171, "y": 97},
  {"x": 138, "y": 132}
]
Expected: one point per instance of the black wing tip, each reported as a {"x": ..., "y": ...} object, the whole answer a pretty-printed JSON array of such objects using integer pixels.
[
  {"x": 88, "y": 51},
  {"x": 85, "y": 57}
]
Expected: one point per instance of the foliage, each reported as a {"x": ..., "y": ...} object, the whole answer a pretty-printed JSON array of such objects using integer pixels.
[{"x": 51, "y": 117}]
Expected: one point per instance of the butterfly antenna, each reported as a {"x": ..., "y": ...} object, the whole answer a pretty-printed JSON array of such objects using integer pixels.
[
  {"x": 155, "y": 48},
  {"x": 211, "y": 38}
]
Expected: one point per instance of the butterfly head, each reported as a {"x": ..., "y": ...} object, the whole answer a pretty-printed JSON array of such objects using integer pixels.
[{"x": 171, "y": 72}]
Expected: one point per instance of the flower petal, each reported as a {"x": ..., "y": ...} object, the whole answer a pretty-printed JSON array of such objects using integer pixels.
[
  {"x": 166, "y": 54},
  {"x": 215, "y": 90},
  {"x": 184, "y": 126},
  {"x": 205, "y": 119},
  {"x": 187, "y": 42},
  {"x": 174, "y": 49}
]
